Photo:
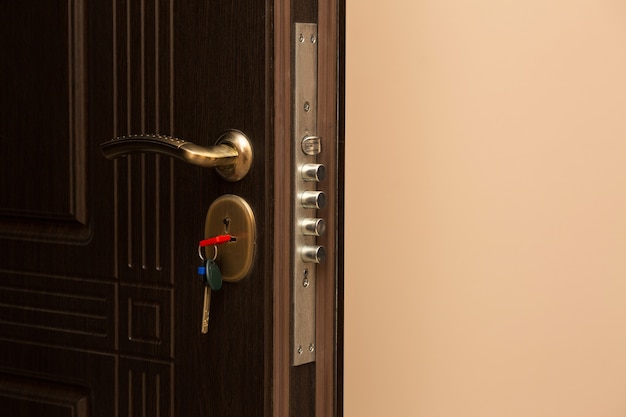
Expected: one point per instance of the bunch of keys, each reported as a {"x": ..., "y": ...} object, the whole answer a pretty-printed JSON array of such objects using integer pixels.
[{"x": 210, "y": 275}]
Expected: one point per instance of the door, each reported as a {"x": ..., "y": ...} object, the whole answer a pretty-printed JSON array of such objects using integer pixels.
[{"x": 100, "y": 300}]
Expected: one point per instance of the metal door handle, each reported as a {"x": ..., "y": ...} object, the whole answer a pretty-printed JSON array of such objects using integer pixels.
[{"x": 231, "y": 156}]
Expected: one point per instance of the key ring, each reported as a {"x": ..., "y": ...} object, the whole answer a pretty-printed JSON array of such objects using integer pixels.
[
  {"x": 216, "y": 240},
  {"x": 202, "y": 258}
]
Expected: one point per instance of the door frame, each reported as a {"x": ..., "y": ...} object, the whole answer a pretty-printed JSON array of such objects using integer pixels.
[{"x": 328, "y": 371}]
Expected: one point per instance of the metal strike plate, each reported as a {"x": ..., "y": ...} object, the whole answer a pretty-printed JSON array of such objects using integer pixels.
[
  {"x": 306, "y": 146},
  {"x": 231, "y": 214}
]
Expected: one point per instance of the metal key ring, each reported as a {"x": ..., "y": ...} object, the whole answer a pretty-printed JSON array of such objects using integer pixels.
[{"x": 202, "y": 258}]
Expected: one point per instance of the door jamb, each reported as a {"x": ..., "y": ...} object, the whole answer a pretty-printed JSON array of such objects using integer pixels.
[{"x": 282, "y": 207}]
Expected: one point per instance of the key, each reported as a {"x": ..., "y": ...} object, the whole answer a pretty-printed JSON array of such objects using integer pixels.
[
  {"x": 213, "y": 275},
  {"x": 206, "y": 303},
  {"x": 205, "y": 309},
  {"x": 212, "y": 278}
]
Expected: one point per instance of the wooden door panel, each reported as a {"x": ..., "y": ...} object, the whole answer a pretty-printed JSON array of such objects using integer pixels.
[
  {"x": 100, "y": 303},
  {"x": 99, "y": 300}
]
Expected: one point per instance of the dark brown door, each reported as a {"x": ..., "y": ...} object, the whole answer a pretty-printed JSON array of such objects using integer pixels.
[{"x": 100, "y": 303}]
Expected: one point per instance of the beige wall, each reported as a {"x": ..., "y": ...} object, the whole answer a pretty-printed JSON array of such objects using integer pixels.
[{"x": 486, "y": 208}]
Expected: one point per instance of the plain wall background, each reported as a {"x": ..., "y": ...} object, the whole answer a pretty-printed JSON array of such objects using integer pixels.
[{"x": 485, "y": 269}]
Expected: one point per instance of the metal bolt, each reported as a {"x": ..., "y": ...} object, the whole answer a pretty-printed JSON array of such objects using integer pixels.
[
  {"x": 311, "y": 347},
  {"x": 300, "y": 350},
  {"x": 307, "y": 106},
  {"x": 313, "y": 38},
  {"x": 301, "y": 37}
]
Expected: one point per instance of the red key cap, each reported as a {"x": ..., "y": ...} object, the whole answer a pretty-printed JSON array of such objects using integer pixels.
[{"x": 216, "y": 240}]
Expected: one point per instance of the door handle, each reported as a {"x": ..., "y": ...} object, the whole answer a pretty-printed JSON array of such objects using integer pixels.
[{"x": 231, "y": 156}]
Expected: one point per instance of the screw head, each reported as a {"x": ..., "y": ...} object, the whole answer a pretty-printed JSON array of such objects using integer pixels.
[
  {"x": 313, "y": 38},
  {"x": 311, "y": 347},
  {"x": 307, "y": 106},
  {"x": 301, "y": 39},
  {"x": 300, "y": 350}
]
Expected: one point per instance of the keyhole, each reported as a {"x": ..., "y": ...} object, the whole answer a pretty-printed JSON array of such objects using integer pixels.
[{"x": 226, "y": 225}]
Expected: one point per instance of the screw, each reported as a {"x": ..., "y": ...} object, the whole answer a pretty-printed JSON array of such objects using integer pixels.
[
  {"x": 300, "y": 350},
  {"x": 301, "y": 37},
  {"x": 313, "y": 38},
  {"x": 305, "y": 282},
  {"x": 311, "y": 347},
  {"x": 307, "y": 106}
]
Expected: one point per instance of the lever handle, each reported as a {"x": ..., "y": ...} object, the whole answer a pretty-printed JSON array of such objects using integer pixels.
[{"x": 231, "y": 156}]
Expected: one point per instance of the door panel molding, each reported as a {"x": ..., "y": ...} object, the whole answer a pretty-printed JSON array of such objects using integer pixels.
[
  {"x": 37, "y": 397},
  {"x": 145, "y": 388},
  {"x": 45, "y": 197},
  {"x": 61, "y": 311},
  {"x": 46, "y": 369},
  {"x": 143, "y": 100}
]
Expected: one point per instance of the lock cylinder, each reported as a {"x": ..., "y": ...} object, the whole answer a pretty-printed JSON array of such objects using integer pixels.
[
  {"x": 313, "y": 199},
  {"x": 313, "y": 227},
  {"x": 313, "y": 172},
  {"x": 313, "y": 254}
]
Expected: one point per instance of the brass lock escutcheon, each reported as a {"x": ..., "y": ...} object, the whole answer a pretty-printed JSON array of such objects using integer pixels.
[{"x": 232, "y": 215}]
